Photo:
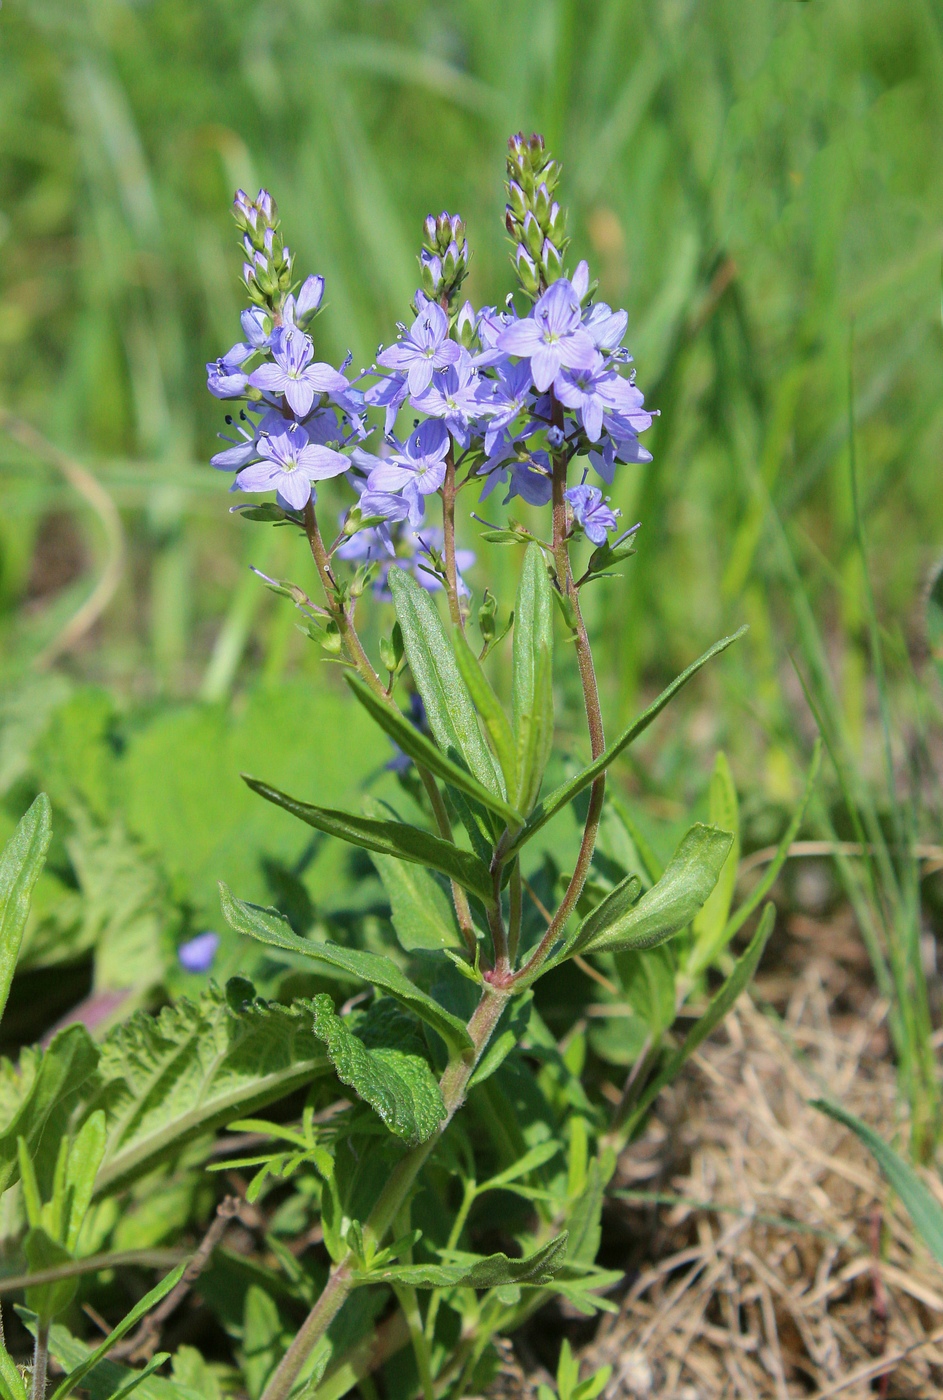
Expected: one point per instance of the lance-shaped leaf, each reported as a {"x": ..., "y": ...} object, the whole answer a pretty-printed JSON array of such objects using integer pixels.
[
  {"x": 416, "y": 746},
  {"x": 489, "y": 708},
  {"x": 720, "y": 1003},
  {"x": 268, "y": 926},
  {"x": 110, "y": 1381},
  {"x": 668, "y": 906},
  {"x": 21, "y": 863},
  {"x": 167, "y": 1079},
  {"x": 448, "y": 705},
  {"x": 47, "y": 1300},
  {"x": 558, "y": 799},
  {"x": 389, "y": 838},
  {"x": 533, "y": 676},
  {"x": 614, "y": 906},
  {"x": 420, "y": 909},
  {"x": 34, "y": 1088},
  {"x": 392, "y": 1078},
  {"x": 710, "y": 923},
  {"x": 479, "y": 1271}
]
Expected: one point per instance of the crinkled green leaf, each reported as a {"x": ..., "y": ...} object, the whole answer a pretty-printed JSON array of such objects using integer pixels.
[
  {"x": 533, "y": 676},
  {"x": 164, "y": 1080},
  {"x": 268, "y": 926},
  {"x": 389, "y": 839},
  {"x": 21, "y": 863},
  {"x": 31, "y": 1090},
  {"x": 420, "y": 909},
  {"x": 558, "y": 799},
  {"x": 391, "y": 719},
  {"x": 480, "y": 1271},
  {"x": 397, "y": 1083}
]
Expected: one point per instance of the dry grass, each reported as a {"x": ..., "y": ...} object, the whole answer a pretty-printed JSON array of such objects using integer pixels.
[{"x": 801, "y": 1275}]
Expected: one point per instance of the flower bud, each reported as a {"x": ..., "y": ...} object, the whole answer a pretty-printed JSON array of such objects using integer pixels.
[
  {"x": 429, "y": 233},
  {"x": 517, "y": 201},
  {"x": 542, "y": 203},
  {"x": 527, "y": 271},
  {"x": 465, "y": 326},
  {"x": 486, "y": 617},
  {"x": 533, "y": 237},
  {"x": 551, "y": 262}
]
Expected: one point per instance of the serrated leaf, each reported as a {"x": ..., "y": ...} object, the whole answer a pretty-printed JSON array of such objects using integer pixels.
[
  {"x": 389, "y": 838},
  {"x": 533, "y": 676},
  {"x": 669, "y": 905},
  {"x": 449, "y": 709},
  {"x": 417, "y": 747},
  {"x": 164, "y": 1080},
  {"x": 710, "y": 923},
  {"x": 480, "y": 1271},
  {"x": 924, "y": 1210},
  {"x": 558, "y": 799},
  {"x": 34, "y": 1088},
  {"x": 21, "y": 864},
  {"x": 420, "y": 910},
  {"x": 398, "y": 1084},
  {"x": 268, "y": 926}
]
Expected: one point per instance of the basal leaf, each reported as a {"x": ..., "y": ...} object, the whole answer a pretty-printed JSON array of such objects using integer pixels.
[
  {"x": 390, "y": 838},
  {"x": 449, "y": 708},
  {"x": 417, "y": 747},
  {"x": 710, "y": 923},
  {"x": 394, "y": 1081},
  {"x": 419, "y": 908},
  {"x": 480, "y": 1271},
  {"x": 668, "y": 906},
  {"x": 31, "y": 1090},
  {"x": 164, "y": 1080},
  {"x": 558, "y": 799},
  {"x": 533, "y": 676},
  {"x": 268, "y": 926},
  {"x": 21, "y": 863}
]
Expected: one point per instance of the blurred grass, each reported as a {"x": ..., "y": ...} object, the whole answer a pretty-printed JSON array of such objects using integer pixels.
[{"x": 749, "y": 181}]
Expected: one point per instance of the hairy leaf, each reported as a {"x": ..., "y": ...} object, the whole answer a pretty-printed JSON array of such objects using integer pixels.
[
  {"x": 533, "y": 676},
  {"x": 395, "y": 1081},
  {"x": 558, "y": 799},
  {"x": 268, "y": 926},
  {"x": 21, "y": 862},
  {"x": 31, "y": 1090},
  {"x": 390, "y": 839},
  {"x": 414, "y": 744},
  {"x": 419, "y": 908},
  {"x": 164, "y": 1080},
  {"x": 480, "y": 1271}
]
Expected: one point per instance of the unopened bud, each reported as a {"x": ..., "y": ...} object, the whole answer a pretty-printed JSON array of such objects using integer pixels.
[
  {"x": 486, "y": 617},
  {"x": 551, "y": 262},
  {"x": 533, "y": 236},
  {"x": 527, "y": 271}
]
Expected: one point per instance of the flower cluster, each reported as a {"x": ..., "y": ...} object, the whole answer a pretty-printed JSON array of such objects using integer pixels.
[{"x": 502, "y": 398}]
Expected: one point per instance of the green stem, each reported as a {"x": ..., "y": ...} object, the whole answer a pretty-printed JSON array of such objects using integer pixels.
[
  {"x": 409, "y": 1302},
  {"x": 515, "y": 912},
  {"x": 455, "y": 1234}
]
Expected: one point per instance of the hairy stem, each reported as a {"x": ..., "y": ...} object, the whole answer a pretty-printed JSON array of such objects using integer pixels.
[
  {"x": 40, "y": 1362},
  {"x": 453, "y": 1085},
  {"x": 448, "y": 533}
]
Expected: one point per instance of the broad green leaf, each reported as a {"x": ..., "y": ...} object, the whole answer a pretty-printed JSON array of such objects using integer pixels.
[
  {"x": 448, "y": 705},
  {"x": 720, "y": 1003},
  {"x": 709, "y": 925},
  {"x": 647, "y": 977},
  {"x": 568, "y": 790},
  {"x": 479, "y": 1271},
  {"x": 32, "y": 1089},
  {"x": 21, "y": 863},
  {"x": 167, "y": 1079},
  {"x": 47, "y": 1300},
  {"x": 395, "y": 1081},
  {"x": 390, "y": 838},
  {"x": 140, "y": 1309},
  {"x": 924, "y": 1210},
  {"x": 417, "y": 747},
  {"x": 668, "y": 906},
  {"x": 419, "y": 908},
  {"x": 533, "y": 676},
  {"x": 489, "y": 708},
  {"x": 268, "y": 926}
]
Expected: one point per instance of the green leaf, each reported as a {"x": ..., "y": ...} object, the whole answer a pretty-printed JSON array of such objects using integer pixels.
[
  {"x": 47, "y": 1300},
  {"x": 720, "y": 1003},
  {"x": 419, "y": 908},
  {"x": 647, "y": 977},
  {"x": 391, "y": 719},
  {"x": 85, "y": 1157},
  {"x": 924, "y": 1210},
  {"x": 22, "y": 860},
  {"x": 396, "y": 1082},
  {"x": 448, "y": 705},
  {"x": 32, "y": 1089},
  {"x": 268, "y": 926},
  {"x": 710, "y": 924},
  {"x": 167, "y": 1079},
  {"x": 533, "y": 676},
  {"x": 479, "y": 1271},
  {"x": 390, "y": 839},
  {"x": 489, "y": 708},
  {"x": 610, "y": 909},
  {"x": 12, "y": 1385},
  {"x": 108, "y": 1380},
  {"x": 568, "y": 790},
  {"x": 150, "y": 1300},
  {"x": 668, "y": 906}
]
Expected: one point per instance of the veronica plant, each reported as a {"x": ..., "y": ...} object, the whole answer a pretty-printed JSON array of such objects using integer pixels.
[{"x": 532, "y": 397}]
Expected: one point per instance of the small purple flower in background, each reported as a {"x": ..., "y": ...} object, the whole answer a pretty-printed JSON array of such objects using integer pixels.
[
  {"x": 294, "y": 375},
  {"x": 197, "y": 954},
  {"x": 291, "y": 462},
  {"x": 592, "y": 512},
  {"x": 425, "y": 347},
  {"x": 417, "y": 470},
  {"x": 552, "y": 337},
  {"x": 223, "y": 376}
]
